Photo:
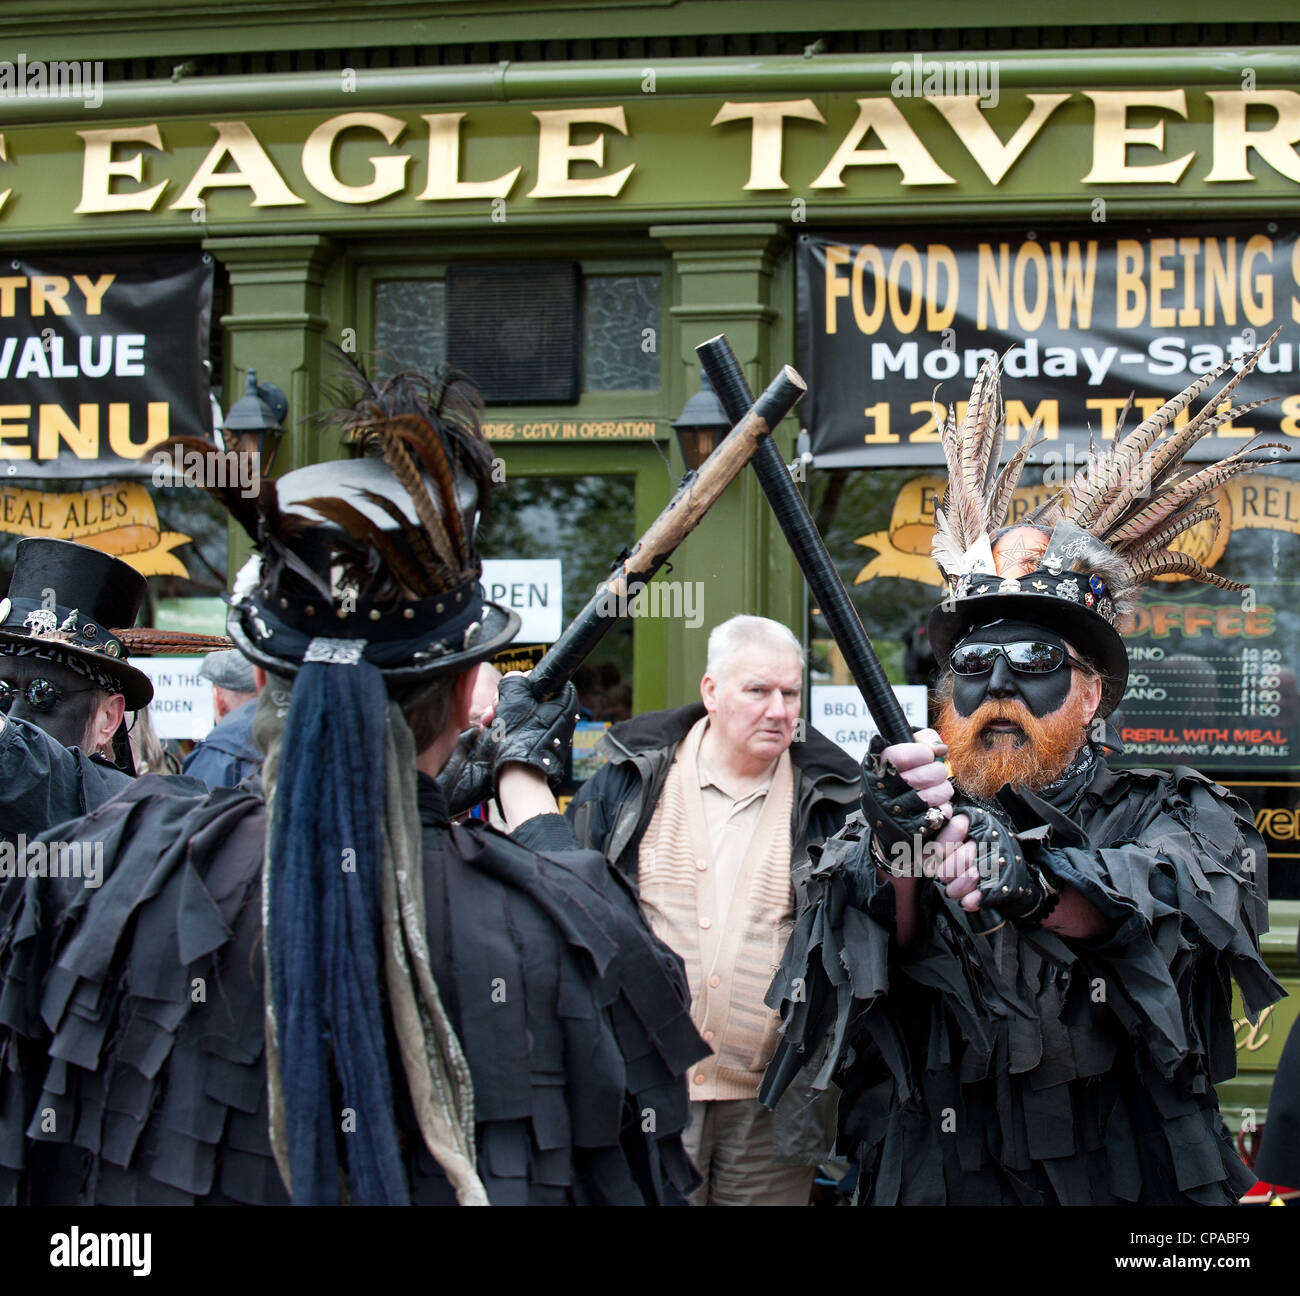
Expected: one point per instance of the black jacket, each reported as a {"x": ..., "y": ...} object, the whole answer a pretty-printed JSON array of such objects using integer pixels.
[
  {"x": 42, "y": 782},
  {"x": 611, "y": 811}
]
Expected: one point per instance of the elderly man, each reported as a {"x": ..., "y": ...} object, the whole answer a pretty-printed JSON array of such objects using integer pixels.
[
  {"x": 1023, "y": 960},
  {"x": 228, "y": 754},
  {"x": 711, "y": 809},
  {"x": 64, "y": 683}
]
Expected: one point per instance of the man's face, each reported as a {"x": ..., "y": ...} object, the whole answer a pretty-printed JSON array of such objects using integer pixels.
[
  {"x": 1015, "y": 726},
  {"x": 1041, "y": 694},
  {"x": 69, "y": 719},
  {"x": 753, "y": 704}
]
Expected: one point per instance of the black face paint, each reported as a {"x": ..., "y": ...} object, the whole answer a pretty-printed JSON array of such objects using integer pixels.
[
  {"x": 67, "y": 722},
  {"x": 1041, "y": 693}
]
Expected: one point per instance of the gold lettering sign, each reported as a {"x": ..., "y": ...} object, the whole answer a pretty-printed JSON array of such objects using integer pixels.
[
  {"x": 318, "y": 158},
  {"x": 931, "y": 134},
  {"x": 115, "y": 517},
  {"x": 444, "y": 180},
  {"x": 99, "y": 168},
  {"x": 768, "y": 138},
  {"x": 253, "y": 169},
  {"x": 902, "y": 148},
  {"x": 556, "y": 152},
  {"x": 1281, "y": 823},
  {"x": 1113, "y": 137}
]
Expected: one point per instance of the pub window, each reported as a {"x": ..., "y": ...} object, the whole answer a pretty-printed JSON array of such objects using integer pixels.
[
  {"x": 410, "y": 324},
  {"x": 581, "y": 520},
  {"x": 620, "y": 350},
  {"x": 620, "y": 330}
]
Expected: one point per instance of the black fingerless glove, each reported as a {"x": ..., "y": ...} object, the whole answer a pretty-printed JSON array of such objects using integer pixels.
[
  {"x": 893, "y": 810},
  {"x": 531, "y": 732},
  {"x": 1012, "y": 881},
  {"x": 467, "y": 780}
]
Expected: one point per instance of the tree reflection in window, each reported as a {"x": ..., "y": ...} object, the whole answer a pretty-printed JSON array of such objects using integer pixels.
[{"x": 585, "y": 522}]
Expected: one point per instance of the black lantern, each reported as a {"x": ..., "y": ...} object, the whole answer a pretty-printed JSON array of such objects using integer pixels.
[
  {"x": 255, "y": 423},
  {"x": 701, "y": 426}
]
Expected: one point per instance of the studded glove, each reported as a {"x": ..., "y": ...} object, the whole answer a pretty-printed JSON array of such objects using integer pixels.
[
  {"x": 1012, "y": 881},
  {"x": 530, "y": 732}
]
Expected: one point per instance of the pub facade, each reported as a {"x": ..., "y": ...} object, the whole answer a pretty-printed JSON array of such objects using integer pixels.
[{"x": 566, "y": 214}]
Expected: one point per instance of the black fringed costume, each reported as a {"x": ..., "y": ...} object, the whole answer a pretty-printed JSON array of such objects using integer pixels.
[
  {"x": 1021, "y": 1067},
  {"x": 132, "y": 1066}
]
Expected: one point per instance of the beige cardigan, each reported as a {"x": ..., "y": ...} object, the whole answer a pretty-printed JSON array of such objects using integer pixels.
[{"x": 730, "y": 958}]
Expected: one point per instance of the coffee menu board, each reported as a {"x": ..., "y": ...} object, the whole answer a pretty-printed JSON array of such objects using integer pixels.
[
  {"x": 1212, "y": 673},
  {"x": 1217, "y": 708}
]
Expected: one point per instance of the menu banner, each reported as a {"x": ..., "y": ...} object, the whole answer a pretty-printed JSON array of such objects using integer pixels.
[
  {"x": 891, "y": 329},
  {"x": 117, "y": 517},
  {"x": 102, "y": 357}
]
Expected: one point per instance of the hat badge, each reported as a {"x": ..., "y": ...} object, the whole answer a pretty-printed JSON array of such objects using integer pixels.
[{"x": 41, "y": 622}]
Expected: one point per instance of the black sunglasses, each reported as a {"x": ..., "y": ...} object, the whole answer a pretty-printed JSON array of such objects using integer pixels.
[
  {"x": 1029, "y": 656},
  {"x": 42, "y": 695}
]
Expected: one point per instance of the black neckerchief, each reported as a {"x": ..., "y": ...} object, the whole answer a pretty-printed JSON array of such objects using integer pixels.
[{"x": 1064, "y": 792}]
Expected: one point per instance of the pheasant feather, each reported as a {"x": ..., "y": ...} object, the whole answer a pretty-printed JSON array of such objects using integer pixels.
[{"x": 1128, "y": 496}]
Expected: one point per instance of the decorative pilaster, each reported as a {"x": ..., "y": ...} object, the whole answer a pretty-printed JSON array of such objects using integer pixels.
[
  {"x": 726, "y": 281},
  {"x": 276, "y": 324}
]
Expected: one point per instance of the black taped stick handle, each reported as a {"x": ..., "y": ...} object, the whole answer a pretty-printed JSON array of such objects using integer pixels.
[{"x": 809, "y": 549}]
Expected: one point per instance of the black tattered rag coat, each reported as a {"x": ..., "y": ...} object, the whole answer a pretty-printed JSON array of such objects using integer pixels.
[
  {"x": 132, "y": 1065},
  {"x": 1019, "y": 1067}
]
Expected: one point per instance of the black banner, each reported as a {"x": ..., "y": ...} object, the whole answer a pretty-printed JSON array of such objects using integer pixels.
[
  {"x": 1081, "y": 317},
  {"x": 102, "y": 357}
]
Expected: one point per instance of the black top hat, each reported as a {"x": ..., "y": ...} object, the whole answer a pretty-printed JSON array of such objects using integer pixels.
[
  {"x": 63, "y": 599},
  {"x": 1077, "y": 605},
  {"x": 373, "y": 559},
  {"x": 327, "y": 590}
]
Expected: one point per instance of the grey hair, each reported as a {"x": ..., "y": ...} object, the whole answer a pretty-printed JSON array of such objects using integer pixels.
[{"x": 740, "y": 632}]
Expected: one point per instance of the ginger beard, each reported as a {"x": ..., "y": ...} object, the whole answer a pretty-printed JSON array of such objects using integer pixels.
[{"x": 1035, "y": 754}]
